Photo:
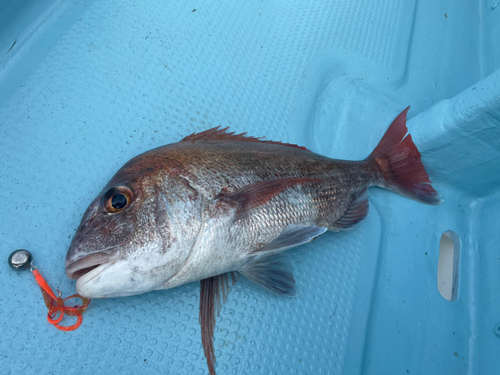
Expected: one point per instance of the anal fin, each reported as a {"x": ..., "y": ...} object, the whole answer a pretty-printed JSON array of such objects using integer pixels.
[
  {"x": 357, "y": 212},
  {"x": 213, "y": 293}
]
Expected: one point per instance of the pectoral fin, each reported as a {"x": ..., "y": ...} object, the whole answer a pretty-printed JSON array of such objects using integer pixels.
[
  {"x": 293, "y": 235},
  {"x": 272, "y": 272},
  {"x": 213, "y": 293},
  {"x": 276, "y": 272},
  {"x": 260, "y": 193}
]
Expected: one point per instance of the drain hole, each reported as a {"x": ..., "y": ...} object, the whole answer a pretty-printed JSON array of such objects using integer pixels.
[{"x": 449, "y": 257}]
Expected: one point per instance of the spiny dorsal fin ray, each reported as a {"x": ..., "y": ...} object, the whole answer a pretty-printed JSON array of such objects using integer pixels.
[
  {"x": 216, "y": 134},
  {"x": 213, "y": 293}
]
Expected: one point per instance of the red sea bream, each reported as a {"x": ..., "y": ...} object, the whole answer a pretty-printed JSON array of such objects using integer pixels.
[{"x": 216, "y": 204}]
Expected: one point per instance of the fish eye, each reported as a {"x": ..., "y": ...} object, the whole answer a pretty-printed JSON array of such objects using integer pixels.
[{"x": 117, "y": 199}]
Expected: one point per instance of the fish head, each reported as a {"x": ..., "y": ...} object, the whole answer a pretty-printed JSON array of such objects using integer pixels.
[{"x": 136, "y": 233}]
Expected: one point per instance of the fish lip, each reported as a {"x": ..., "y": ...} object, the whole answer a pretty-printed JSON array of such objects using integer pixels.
[
  {"x": 88, "y": 277},
  {"x": 75, "y": 269}
]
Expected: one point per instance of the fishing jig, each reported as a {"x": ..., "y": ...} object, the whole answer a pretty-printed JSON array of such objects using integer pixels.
[{"x": 21, "y": 260}]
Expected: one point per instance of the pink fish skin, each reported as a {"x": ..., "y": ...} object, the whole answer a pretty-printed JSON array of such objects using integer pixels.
[{"x": 217, "y": 203}]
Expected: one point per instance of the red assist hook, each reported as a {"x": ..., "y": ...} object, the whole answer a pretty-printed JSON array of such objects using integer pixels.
[{"x": 21, "y": 260}]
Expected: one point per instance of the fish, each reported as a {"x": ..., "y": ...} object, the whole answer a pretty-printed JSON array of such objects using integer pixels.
[{"x": 218, "y": 205}]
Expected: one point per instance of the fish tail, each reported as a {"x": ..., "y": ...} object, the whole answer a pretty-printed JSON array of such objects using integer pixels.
[{"x": 397, "y": 160}]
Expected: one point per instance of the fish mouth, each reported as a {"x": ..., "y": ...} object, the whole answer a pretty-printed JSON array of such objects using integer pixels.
[{"x": 87, "y": 263}]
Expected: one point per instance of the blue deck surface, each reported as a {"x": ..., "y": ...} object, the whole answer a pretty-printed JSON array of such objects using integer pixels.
[{"x": 87, "y": 85}]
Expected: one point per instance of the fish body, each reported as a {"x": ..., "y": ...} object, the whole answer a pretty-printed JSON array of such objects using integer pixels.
[
  {"x": 233, "y": 228},
  {"x": 190, "y": 227},
  {"x": 217, "y": 203}
]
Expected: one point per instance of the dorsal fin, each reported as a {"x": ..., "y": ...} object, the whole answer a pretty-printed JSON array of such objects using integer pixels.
[{"x": 216, "y": 134}]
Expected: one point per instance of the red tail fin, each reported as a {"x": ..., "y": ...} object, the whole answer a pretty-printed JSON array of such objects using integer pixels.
[{"x": 399, "y": 161}]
